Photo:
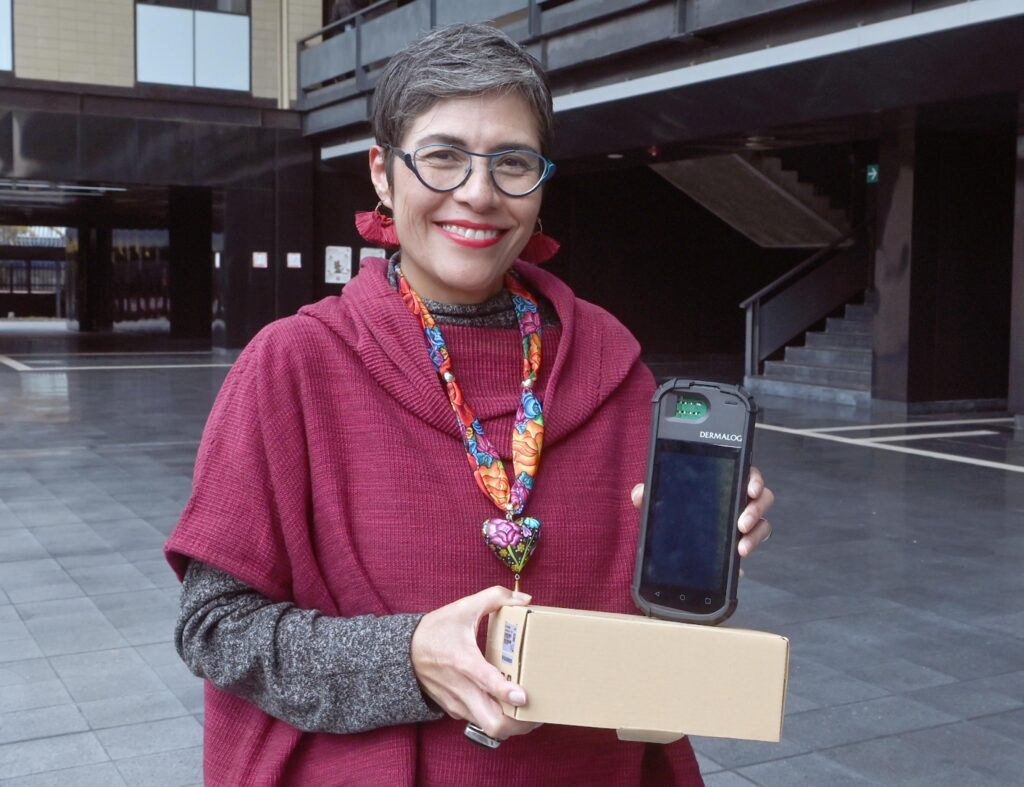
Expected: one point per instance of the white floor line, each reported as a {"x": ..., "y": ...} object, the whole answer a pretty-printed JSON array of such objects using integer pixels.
[
  {"x": 915, "y": 424},
  {"x": 897, "y": 448},
  {"x": 8, "y": 361},
  {"x": 133, "y": 446},
  {"x": 52, "y": 369},
  {"x": 931, "y": 436},
  {"x": 123, "y": 352},
  {"x": 61, "y": 450},
  {"x": 31, "y": 453}
]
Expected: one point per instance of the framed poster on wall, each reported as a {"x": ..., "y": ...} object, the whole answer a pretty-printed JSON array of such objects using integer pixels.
[{"x": 338, "y": 264}]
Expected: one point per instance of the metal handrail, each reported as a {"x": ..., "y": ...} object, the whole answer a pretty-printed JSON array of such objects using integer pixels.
[
  {"x": 760, "y": 306},
  {"x": 340, "y": 23},
  {"x": 354, "y": 23},
  {"x": 802, "y": 269}
]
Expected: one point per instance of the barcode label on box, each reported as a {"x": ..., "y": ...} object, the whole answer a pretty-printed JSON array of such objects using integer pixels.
[{"x": 508, "y": 644}]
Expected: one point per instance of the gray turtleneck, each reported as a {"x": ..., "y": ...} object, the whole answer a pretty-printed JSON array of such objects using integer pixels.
[{"x": 316, "y": 672}]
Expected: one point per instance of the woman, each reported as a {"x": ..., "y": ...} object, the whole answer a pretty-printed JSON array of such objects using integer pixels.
[{"x": 333, "y": 504}]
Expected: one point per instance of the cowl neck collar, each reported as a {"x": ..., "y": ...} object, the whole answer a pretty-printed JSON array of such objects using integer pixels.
[{"x": 593, "y": 356}]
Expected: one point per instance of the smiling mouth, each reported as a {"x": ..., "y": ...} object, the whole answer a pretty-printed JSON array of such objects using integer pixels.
[{"x": 471, "y": 234}]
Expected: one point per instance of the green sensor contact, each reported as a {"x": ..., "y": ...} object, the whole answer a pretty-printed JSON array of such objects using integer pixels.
[{"x": 691, "y": 408}]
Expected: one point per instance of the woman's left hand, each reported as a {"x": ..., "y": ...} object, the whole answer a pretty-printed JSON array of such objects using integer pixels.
[{"x": 752, "y": 523}]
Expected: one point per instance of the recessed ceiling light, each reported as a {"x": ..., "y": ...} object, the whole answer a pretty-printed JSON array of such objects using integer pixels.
[{"x": 616, "y": 155}]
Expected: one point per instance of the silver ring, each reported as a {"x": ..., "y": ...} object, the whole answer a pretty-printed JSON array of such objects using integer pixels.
[
  {"x": 480, "y": 738},
  {"x": 770, "y": 529}
]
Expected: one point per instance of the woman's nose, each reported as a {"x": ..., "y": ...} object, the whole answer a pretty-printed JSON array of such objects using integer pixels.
[{"x": 479, "y": 190}]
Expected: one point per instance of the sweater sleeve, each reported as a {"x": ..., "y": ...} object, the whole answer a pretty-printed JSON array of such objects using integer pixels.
[{"x": 316, "y": 672}]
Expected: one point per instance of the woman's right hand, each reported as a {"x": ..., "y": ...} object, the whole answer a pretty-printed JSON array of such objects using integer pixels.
[{"x": 453, "y": 672}]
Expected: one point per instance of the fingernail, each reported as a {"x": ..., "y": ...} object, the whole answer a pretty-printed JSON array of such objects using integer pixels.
[
  {"x": 517, "y": 697},
  {"x": 746, "y": 522},
  {"x": 522, "y": 596}
]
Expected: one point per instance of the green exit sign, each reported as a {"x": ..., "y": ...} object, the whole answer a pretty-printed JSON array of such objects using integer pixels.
[{"x": 872, "y": 173}]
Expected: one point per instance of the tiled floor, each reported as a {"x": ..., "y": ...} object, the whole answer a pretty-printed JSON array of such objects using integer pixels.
[{"x": 895, "y": 571}]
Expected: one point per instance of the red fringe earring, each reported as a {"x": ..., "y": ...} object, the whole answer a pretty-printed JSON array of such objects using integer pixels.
[
  {"x": 540, "y": 247},
  {"x": 377, "y": 228}
]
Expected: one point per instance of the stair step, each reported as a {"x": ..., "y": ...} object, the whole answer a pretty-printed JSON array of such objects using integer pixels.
[
  {"x": 839, "y": 325},
  {"x": 859, "y": 312},
  {"x": 769, "y": 386},
  {"x": 828, "y": 356},
  {"x": 819, "y": 375},
  {"x": 837, "y": 341}
]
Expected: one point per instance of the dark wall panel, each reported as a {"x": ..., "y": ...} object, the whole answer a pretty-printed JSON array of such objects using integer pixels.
[
  {"x": 166, "y": 152},
  {"x": 6, "y": 143},
  {"x": 45, "y": 145},
  {"x": 670, "y": 270},
  {"x": 338, "y": 196},
  {"x": 107, "y": 145},
  {"x": 963, "y": 236},
  {"x": 190, "y": 217}
]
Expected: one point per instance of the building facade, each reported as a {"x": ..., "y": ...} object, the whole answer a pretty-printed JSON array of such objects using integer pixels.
[
  {"x": 792, "y": 156},
  {"x": 848, "y": 173},
  {"x": 162, "y": 134}
]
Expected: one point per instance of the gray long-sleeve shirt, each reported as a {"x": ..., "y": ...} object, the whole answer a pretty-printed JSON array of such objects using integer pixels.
[{"x": 316, "y": 672}]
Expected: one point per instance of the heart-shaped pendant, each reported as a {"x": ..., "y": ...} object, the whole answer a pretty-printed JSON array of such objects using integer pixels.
[{"x": 512, "y": 540}]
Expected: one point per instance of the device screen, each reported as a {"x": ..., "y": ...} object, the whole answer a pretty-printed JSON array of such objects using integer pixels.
[{"x": 690, "y": 521}]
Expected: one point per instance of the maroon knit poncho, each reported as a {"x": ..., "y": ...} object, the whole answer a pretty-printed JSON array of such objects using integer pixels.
[{"x": 331, "y": 474}]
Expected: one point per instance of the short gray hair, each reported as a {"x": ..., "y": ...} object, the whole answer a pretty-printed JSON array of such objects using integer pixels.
[{"x": 455, "y": 62}]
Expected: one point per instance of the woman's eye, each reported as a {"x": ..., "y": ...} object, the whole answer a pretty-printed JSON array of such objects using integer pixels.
[
  {"x": 513, "y": 162},
  {"x": 516, "y": 164},
  {"x": 438, "y": 158}
]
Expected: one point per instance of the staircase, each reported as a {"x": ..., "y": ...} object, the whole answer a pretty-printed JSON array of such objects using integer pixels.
[
  {"x": 758, "y": 197},
  {"x": 833, "y": 365}
]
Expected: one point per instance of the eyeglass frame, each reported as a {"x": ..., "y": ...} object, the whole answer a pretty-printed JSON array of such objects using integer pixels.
[{"x": 407, "y": 159}]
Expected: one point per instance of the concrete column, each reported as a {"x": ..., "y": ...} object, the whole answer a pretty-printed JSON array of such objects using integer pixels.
[
  {"x": 893, "y": 254},
  {"x": 94, "y": 280},
  {"x": 943, "y": 259},
  {"x": 1016, "y": 377},
  {"x": 189, "y": 214}
]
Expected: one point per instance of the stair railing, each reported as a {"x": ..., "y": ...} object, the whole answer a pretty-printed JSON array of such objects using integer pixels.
[{"x": 802, "y": 296}]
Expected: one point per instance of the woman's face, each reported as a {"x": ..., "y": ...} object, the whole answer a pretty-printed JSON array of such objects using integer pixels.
[{"x": 438, "y": 259}]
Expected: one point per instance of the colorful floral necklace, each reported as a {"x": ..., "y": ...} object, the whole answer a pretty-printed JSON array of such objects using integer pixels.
[{"x": 512, "y": 537}]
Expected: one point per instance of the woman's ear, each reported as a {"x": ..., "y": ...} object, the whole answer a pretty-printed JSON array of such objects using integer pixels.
[{"x": 379, "y": 175}]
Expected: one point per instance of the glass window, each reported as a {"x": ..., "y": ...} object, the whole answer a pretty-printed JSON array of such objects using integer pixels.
[
  {"x": 170, "y": 3},
  {"x": 224, "y": 6},
  {"x": 222, "y": 51},
  {"x": 193, "y": 43},
  {"x": 6, "y": 37},
  {"x": 164, "y": 45}
]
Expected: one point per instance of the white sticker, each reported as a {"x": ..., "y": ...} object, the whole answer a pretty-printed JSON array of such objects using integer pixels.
[
  {"x": 259, "y": 259},
  {"x": 294, "y": 259},
  {"x": 338, "y": 264},
  {"x": 371, "y": 251},
  {"x": 508, "y": 643},
  {"x": 216, "y": 260}
]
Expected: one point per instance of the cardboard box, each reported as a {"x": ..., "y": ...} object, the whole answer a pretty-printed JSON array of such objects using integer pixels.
[{"x": 651, "y": 680}]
